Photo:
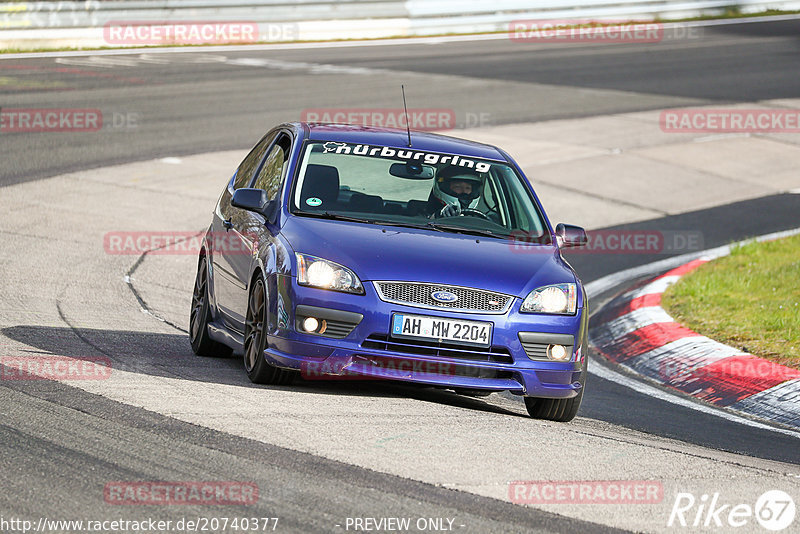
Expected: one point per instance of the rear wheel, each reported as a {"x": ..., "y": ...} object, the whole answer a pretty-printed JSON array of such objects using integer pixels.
[
  {"x": 255, "y": 341},
  {"x": 200, "y": 317}
]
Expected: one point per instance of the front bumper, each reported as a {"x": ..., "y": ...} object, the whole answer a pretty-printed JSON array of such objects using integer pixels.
[{"x": 369, "y": 352}]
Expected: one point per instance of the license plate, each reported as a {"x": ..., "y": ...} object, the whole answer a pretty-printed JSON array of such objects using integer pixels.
[{"x": 441, "y": 329}]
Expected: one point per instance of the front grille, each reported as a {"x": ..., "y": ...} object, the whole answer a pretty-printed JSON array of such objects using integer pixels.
[
  {"x": 440, "y": 350},
  {"x": 419, "y": 295}
]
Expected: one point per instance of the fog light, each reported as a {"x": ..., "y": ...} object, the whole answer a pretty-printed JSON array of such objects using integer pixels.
[
  {"x": 310, "y": 324},
  {"x": 558, "y": 352}
]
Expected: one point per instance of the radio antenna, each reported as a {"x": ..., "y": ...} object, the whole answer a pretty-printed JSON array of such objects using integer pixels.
[{"x": 405, "y": 108}]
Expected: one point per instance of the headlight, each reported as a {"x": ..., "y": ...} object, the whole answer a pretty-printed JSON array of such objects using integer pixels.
[
  {"x": 324, "y": 274},
  {"x": 558, "y": 298}
]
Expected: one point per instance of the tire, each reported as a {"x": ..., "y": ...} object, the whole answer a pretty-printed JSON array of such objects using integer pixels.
[
  {"x": 255, "y": 341},
  {"x": 560, "y": 410},
  {"x": 200, "y": 317}
]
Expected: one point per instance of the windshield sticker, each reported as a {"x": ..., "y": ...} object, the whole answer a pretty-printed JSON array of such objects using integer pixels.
[
  {"x": 431, "y": 158},
  {"x": 314, "y": 201}
]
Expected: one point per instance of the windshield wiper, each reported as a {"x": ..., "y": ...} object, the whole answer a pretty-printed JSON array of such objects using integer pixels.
[
  {"x": 338, "y": 217},
  {"x": 335, "y": 216},
  {"x": 463, "y": 230},
  {"x": 403, "y": 224}
]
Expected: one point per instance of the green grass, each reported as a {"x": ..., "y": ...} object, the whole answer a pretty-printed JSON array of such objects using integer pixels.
[{"x": 749, "y": 300}]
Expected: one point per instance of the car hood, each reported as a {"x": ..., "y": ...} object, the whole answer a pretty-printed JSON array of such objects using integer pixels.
[{"x": 377, "y": 252}]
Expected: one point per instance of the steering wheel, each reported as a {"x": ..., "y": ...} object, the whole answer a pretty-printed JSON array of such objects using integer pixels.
[{"x": 472, "y": 212}]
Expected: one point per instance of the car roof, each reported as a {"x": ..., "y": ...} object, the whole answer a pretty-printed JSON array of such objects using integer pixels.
[{"x": 398, "y": 138}]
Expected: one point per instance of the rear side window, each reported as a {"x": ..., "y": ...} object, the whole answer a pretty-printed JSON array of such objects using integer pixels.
[{"x": 249, "y": 164}]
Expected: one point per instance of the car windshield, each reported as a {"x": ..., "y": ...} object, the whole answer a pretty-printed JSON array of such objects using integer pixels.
[{"x": 408, "y": 187}]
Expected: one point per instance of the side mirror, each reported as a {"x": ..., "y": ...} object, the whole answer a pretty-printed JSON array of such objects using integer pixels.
[
  {"x": 571, "y": 236},
  {"x": 249, "y": 199},
  {"x": 254, "y": 200}
]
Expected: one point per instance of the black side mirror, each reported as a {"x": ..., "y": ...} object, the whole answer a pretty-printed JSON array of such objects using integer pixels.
[
  {"x": 571, "y": 236},
  {"x": 249, "y": 199},
  {"x": 255, "y": 200}
]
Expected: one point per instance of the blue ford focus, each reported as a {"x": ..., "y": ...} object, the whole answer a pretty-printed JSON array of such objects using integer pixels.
[{"x": 340, "y": 251}]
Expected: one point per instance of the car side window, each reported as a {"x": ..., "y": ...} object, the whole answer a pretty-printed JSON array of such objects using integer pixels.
[
  {"x": 271, "y": 174},
  {"x": 250, "y": 163}
]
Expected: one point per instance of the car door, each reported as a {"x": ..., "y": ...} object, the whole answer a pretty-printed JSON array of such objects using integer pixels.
[
  {"x": 249, "y": 228},
  {"x": 226, "y": 226}
]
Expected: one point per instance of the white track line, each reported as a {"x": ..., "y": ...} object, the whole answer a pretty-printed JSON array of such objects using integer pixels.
[
  {"x": 355, "y": 43},
  {"x": 601, "y": 369}
]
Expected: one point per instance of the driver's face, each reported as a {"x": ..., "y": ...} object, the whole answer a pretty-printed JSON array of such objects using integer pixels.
[{"x": 460, "y": 187}]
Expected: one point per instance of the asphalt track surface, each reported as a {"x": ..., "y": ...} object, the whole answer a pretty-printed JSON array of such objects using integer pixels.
[{"x": 59, "y": 444}]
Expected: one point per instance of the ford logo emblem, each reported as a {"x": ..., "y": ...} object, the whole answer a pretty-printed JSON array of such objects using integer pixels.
[{"x": 444, "y": 296}]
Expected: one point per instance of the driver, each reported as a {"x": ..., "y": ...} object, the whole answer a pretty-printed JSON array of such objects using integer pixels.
[{"x": 454, "y": 190}]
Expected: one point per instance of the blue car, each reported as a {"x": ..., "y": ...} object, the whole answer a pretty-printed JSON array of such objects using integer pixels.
[{"x": 349, "y": 252}]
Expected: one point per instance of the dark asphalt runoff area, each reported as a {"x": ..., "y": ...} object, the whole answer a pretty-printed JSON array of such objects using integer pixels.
[{"x": 59, "y": 445}]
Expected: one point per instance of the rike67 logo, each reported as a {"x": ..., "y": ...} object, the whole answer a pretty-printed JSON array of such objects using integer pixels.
[{"x": 774, "y": 510}]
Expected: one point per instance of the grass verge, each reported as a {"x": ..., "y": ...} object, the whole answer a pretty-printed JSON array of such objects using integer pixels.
[{"x": 749, "y": 300}]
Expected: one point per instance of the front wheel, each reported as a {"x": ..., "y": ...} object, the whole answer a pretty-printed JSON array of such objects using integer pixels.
[
  {"x": 561, "y": 410},
  {"x": 255, "y": 341}
]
